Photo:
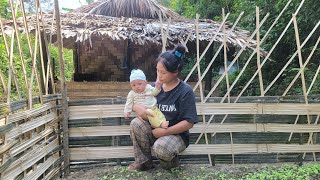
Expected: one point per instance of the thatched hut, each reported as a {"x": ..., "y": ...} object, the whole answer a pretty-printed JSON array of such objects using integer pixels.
[{"x": 111, "y": 37}]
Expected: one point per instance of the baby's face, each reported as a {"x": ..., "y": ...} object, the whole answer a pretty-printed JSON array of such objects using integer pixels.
[{"x": 138, "y": 86}]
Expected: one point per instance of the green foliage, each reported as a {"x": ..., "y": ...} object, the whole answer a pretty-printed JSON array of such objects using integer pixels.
[
  {"x": 245, "y": 172},
  {"x": 68, "y": 59},
  {"x": 307, "y": 18},
  {"x": 307, "y": 171},
  {"x": 4, "y": 9}
]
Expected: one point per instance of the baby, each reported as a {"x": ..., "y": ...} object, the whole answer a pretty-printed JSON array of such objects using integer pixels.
[{"x": 144, "y": 94}]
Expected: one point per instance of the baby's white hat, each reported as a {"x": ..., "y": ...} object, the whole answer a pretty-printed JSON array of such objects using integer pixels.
[{"x": 137, "y": 74}]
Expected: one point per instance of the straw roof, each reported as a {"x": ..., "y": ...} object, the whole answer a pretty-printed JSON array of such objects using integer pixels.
[
  {"x": 146, "y": 9},
  {"x": 79, "y": 27}
]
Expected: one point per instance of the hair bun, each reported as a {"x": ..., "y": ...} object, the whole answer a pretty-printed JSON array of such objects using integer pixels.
[{"x": 179, "y": 51}]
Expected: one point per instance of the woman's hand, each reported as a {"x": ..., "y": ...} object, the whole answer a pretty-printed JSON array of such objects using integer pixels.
[{"x": 141, "y": 112}]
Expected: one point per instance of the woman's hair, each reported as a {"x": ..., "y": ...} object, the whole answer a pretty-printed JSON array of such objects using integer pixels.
[{"x": 173, "y": 59}]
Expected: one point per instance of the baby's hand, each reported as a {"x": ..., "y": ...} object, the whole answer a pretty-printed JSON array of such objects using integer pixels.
[{"x": 126, "y": 115}]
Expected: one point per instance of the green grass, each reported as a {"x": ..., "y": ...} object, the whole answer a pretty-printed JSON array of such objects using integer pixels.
[{"x": 228, "y": 172}]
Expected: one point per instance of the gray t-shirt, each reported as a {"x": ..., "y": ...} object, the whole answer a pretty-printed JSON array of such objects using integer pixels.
[{"x": 178, "y": 105}]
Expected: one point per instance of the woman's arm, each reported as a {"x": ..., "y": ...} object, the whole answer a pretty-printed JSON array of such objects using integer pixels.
[
  {"x": 175, "y": 129},
  {"x": 141, "y": 111}
]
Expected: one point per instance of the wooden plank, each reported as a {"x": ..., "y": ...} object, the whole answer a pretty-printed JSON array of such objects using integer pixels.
[
  {"x": 116, "y": 110},
  {"x": 90, "y": 153},
  {"x": 212, "y": 128}
]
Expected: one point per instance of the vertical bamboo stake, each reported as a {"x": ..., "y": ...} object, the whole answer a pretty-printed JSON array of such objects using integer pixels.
[
  {"x": 3, "y": 83},
  {"x": 204, "y": 52},
  {"x": 301, "y": 69},
  {"x": 199, "y": 75},
  {"x": 212, "y": 60},
  {"x": 18, "y": 42},
  {"x": 40, "y": 45},
  {"x": 162, "y": 33},
  {"x": 258, "y": 51},
  {"x": 217, "y": 52},
  {"x": 34, "y": 67},
  {"x": 232, "y": 153},
  {"x": 266, "y": 35},
  {"x": 64, "y": 102},
  {"x": 296, "y": 30},
  {"x": 262, "y": 40},
  {"x": 49, "y": 69},
  {"x": 10, "y": 65},
  {"x": 234, "y": 60},
  {"x": 225, "y": 56}
]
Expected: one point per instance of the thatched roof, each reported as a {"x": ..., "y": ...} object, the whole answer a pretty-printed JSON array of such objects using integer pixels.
[
  {"x": 81, "y": 27},
  {"x": 146, "y": 9}
]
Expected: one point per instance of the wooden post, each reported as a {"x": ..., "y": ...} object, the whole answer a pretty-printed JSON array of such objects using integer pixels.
[{"x": 64, "y": 102}]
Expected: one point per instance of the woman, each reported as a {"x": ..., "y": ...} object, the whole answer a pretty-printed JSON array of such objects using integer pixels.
[{"x": 176, "y": 101}]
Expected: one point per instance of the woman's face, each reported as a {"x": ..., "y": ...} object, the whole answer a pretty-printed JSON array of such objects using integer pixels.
[{"x": 164, "y": 76}]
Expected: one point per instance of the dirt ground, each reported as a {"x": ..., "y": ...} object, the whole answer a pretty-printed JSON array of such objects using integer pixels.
[{"x": 185, "y": 171}]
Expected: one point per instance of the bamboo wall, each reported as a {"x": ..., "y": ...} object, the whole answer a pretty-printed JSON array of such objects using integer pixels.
[
  {"x": 104, "y": 59},
  {"x": 255, "y": 130}
]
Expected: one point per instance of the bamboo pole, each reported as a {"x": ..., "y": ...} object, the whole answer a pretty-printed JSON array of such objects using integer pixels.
[
  {"x": 162, "y": 33},
  {"x": 204, "y": 52},
  {"x": 33, "y": 71},
  {"x": 232, "y": 153},
  {"x": 40, "y": 46},
  {"x": 234, "y": 60},
  {"x": 246, "y": 64},
  {"x": 225, "y": 55},
  {"x": 302, "y": 69},
  {"x": 49, "y": 68},
  {"x": 11, "y": 67},
  {"x": 217, "y": 52},
  {"x": 199, "y": 75},
  {"x": 258, "y": 52},
  {"x": 64, "y": 102},
  {"x": 286, "y": 28},
  {"x": 29, "y": 43},
  {"x": 18, "y": 42},
  {"x": 296, "y": 30},
  {"x": 3, "y": 82}
]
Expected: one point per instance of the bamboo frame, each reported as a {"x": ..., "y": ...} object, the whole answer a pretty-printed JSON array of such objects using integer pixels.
[
  {"x": 204, "y": 52},
  {"x": 225, "y": 56},
  {"x": 258, "y": 51},
  {"x": 64, "y": 102},
  {"x": 88, "y": 153},
  {"x": 217, "y": 52}
]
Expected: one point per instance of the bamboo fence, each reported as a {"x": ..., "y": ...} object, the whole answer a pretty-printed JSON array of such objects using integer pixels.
[
  {"x": 31, "y": 124},
  {"x": 43, "y": 135}
]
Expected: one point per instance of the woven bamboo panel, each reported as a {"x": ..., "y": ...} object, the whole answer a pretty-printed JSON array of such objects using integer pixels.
[
  {"x": 198, "y": 128},
  {"x": 101, "y": 89},
  {"x": 88, "y": 153},
  {"x": 116, "y": 110}
]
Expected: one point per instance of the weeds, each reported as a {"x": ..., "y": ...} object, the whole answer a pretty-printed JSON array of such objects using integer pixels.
[{"x": 219, "y": 172}]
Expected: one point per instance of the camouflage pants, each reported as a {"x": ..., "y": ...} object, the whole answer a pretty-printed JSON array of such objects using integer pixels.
[{"x": 165, "y": 148}]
